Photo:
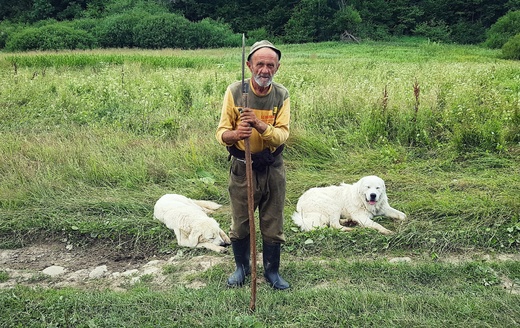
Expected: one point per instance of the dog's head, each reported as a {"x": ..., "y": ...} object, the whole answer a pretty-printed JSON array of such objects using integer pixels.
[
  {"x": 211, "y": 233},
  {"x": 372, "y": 189}
]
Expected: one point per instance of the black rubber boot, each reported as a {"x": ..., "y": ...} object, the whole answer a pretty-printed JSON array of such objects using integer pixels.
[
  {"x": 242, "y": 253},
  {"x": 271, "y": 259}
]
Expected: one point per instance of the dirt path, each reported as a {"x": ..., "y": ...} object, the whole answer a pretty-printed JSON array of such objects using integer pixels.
[{"x": 58, "y": 264}]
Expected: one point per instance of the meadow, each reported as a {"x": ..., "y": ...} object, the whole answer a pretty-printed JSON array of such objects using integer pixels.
[{"x": 91, "y": 139}]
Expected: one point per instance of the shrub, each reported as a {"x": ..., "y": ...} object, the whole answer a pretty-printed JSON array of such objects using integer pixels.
[
  {"x": 437, "y": 31},
  {"x": 511, "y": 50},
  {"x": 311, "y": 21},
  {"x": 505, "y": 28},
  {"x": 118, "y": 31},
  {"x": 346, "y": 19},
  {"x": 209, "y": 33},
  {"x": 89, "y": 25},
  {"x": 6, "y": 30},
  {"x": 373, "y": 31},
  {"x": 44, "y": 22},
  {"x": 259, "y": 34},
  {"x": 24, "y": 40},
  {"x": 467, "y": 33},
  {"x": 50, "y": 37},
  {"x": 162, "y": 31}
]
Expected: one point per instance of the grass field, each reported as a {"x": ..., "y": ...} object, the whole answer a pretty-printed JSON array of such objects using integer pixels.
[{"x": 90, "y": 140}]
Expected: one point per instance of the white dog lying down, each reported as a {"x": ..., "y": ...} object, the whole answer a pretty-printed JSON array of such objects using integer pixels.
[
  {"x": 335, "y": 206},
  {"x": 189, "y": 220}
]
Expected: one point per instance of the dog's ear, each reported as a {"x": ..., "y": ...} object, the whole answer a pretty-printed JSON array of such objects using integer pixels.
[
  {"x": 360, "y": 189},
  {"x": 224, "y": 237},
  {"x": 194, "y": 237},
  {"x": 383, "y": 185}
]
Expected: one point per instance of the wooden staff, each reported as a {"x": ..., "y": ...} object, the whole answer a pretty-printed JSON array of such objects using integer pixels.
[{"x": 250, "y": 196}]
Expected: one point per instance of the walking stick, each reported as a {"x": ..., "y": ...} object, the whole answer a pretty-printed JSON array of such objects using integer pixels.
[{"x": 250, "y": 197}]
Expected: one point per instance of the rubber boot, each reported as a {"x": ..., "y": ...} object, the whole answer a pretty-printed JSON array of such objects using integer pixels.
[
  {"x": 242, "y": 253},
  {"x": 271, "y": 260}
]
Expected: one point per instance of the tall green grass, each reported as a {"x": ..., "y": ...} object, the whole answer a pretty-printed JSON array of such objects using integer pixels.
[
  {"x": 464, "y": 100},
  {"x": 439, "y": 123},
  {"x": 82, "y": 60},
  {"x": 90, "y": 140}
]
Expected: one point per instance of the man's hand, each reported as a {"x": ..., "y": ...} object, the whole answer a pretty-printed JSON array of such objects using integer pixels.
[
  {"x": 248, "y": 115},
  {"x": 243, "y": 131}
]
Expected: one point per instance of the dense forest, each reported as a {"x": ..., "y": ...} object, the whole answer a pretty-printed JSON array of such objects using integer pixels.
[{"x": 40, "y": 24}]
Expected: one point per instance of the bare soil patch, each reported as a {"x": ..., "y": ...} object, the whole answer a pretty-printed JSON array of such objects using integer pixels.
[
  {"x": 98, "y": 265},
  {"x": 55, "y": 264}
]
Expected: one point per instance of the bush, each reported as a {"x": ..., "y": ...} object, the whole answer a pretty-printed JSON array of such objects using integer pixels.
[
  {"x": 377, "y": 32},
  {"x": 311, "y": 21},
  {"x": 128, "y": 30},
  {"x": 259, "y": 34},
  {"x": 175, "y": 31},
  {"x": 118, "y": 31},
  {"x": 6, "y": 30},
  {"x": 89, "y": 25},
  {"x": 162, "y": 31},
  {"x": 50, "y": 37},
  {"x": 346, "y": 19},
  {"x": 511, "y": 50},
  {"x": 209, "y": 33},
  {"x": 437, "y": 31},
  {"x": 505, "y": 28},
  {"x": 467, "y": 33}
]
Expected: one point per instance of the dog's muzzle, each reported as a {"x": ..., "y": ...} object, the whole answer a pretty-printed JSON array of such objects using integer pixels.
[{"x": 372, "y": 199}]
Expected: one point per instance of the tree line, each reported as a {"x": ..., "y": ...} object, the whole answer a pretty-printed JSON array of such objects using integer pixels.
[{"x": 215, "y": 23}]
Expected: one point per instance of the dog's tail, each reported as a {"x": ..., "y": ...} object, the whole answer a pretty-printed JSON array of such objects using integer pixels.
[
  {"x": 207, "y": 205},
  {"x": 297, "y": 219}
]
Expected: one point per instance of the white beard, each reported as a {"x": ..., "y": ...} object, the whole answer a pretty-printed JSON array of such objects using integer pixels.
[{"x": 262, "y": 82}]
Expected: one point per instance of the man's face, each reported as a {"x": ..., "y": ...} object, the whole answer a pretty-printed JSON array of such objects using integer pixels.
[{"x": 263, "y": 65}]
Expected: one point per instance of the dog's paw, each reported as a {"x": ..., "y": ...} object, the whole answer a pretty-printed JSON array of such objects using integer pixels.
[
  {"x": 222, "y": 250},
  {"x": 348, "y": 223},
  {"x": 395, "y": 214},
  {"x": 400, "y": 215},
  {"x": 387, "y": 232}
]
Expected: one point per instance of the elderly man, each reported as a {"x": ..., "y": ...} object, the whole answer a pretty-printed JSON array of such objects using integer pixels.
[{"x": 265, "y": 121}]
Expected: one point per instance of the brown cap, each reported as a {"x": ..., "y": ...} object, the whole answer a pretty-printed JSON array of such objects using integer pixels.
[{"x": 263, "y": 44}]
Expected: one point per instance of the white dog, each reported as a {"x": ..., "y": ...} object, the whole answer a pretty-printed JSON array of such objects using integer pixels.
[
  {"x": 335, "y": 206},
  {"x": 189, "y": 219}
]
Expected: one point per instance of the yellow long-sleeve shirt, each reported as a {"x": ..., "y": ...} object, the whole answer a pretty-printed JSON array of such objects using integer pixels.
[{"x": 274, "y": 109}]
